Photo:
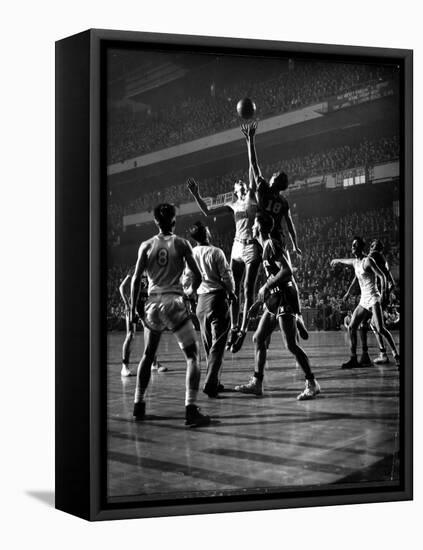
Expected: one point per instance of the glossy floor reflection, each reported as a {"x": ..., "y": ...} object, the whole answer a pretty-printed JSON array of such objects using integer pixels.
[{"x": 349, "y": 434}]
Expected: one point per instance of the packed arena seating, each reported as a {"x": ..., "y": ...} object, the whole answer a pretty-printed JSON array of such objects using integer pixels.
[
  {"x": 368, "y": 152},
  {"x": 132, "y": 134},
  {"x": 321, "y": 287}
]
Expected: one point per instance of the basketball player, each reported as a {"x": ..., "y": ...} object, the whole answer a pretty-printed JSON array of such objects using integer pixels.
[
  {"x": 131, "y": 327},
  {"x": 376, "y": 253},
  {"x": 217, "y": 286},
  {"x": 369, "y": 306},
  {"x": 281, "y": 306},
  {"x": 245, "y": 254},
  {"x": 271, "y": 200},
  {"x": 163, "y": 257}
]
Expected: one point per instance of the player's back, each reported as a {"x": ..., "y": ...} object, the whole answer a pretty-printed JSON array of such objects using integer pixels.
[
  {"x": 274, "y": 204},
  {"x": 165, "y": 265}
]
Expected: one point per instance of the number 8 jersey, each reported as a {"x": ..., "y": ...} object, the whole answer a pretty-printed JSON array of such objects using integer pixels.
[{"x": 165, "y": 264}]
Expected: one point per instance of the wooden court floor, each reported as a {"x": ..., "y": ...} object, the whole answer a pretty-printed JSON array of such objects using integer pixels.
[{"x": 349, "y": 434}]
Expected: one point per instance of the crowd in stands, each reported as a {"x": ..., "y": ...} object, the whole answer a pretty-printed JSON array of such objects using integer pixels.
[
  {"x": 368, "y": 152},
  {"x": 131, "y": 135},
  {"x": 322, "y": 288}
]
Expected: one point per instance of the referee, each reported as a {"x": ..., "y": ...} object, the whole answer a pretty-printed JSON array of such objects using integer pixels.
[{"x": 214, "y": 294}]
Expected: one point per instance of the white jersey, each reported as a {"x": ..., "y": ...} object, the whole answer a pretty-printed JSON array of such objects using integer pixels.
[
  {"x": 244, "y": 211},
  {"x": 367, "y": 281},
  {"x": 165, "y": 265}
]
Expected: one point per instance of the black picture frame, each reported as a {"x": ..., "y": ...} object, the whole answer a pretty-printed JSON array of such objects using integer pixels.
[{"x": 80, "y": 256}]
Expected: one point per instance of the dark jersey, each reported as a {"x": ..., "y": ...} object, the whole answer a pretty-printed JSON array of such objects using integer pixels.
[
  {"x": 273, "y": 255},
  {"x": 380, "y": 261},
  {"x": 274, "y": 204},
  {"x": 282, "y": 298}
]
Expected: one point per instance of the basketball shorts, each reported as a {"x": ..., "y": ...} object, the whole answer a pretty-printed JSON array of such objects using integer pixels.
[
  {"x": 283, "y": 301},
  {"x": 247, "y": 253},
  {"x": 169, "y": 311},
  {"x": 368, "y": 301}
]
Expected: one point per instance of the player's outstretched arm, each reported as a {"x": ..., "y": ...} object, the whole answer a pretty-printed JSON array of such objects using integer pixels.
[
  {"x": 122, "y": 290},
  {"x": 249, "y": 131},
  {"x": 136, "y": 278},
  {"x": 342, "y": 261},
  {"x": 194, "y": 189},
  {"x": 292, "y": 232}
]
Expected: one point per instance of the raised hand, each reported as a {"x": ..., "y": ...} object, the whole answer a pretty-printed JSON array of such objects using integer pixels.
[
  {"x": 249, "y": 129},
  {"x": 192, "y": 186}
]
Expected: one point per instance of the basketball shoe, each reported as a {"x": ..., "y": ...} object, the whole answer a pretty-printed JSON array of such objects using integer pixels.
[
  {"x": 365, "y": 360},
  {"x": 126, "y": 371},
  {"x": 312, "y": 388},
  {"x": 194, "y": 418},
  {"x": 381, "y": 359},
  {"x": 254, "y": 386}
]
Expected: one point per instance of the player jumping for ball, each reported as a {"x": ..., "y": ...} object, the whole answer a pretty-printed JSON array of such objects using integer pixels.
[
  {"x": 164, "y": 258},
  {"x": 132, "y": 326},
  {"x": 271, "y": 200},
  {"x": 281, "y": 306},
  {"x": 245, "y": 256},
  {"x": 367, "y": 273}
]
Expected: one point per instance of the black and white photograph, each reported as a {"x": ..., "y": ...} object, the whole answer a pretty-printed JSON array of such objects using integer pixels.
[{"x": 255, "y": 209}]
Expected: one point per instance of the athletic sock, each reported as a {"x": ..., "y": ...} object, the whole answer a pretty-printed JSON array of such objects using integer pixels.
[{"x": 190, "y": 397}]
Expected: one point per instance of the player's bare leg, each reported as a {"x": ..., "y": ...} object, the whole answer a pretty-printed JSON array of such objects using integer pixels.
[
  {"x": 288, "y": 326},
  {"x": 382, "y": 358},
  {"x": 238, "y": 269},
  {"x": 360, "y": 315},
  {"x": 365, "y": 360},
  {"x": 383, "y": 331},
  {"x": 250, "y": 277},
  {"x": 126, "y": 348},
  {"x": 265, "y": 327},
  {"x": 151, "y": 343},
  {"x": 187, "y": 340}
]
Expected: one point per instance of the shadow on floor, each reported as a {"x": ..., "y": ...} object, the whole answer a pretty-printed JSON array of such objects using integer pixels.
[{"x": 46, "y": 497}]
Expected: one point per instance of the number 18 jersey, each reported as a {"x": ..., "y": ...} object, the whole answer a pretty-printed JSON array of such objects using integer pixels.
[
  {"x": 274, "y": 204},
  {"x": 165, "y": 265}
]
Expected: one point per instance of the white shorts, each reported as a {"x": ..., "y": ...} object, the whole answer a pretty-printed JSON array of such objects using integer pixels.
[
  {"x": 246, "y": 253},
  {"x": 367, "y": 302},
  {"x": 165, "y": 311},
  {"x": 169, "y": 311}
]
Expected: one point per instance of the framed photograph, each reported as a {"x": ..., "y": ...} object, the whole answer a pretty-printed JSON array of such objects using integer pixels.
[{"x": 233, "y": 275}]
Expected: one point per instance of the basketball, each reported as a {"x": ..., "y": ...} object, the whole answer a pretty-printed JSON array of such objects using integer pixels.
[{"x": 246, "y": 108}]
